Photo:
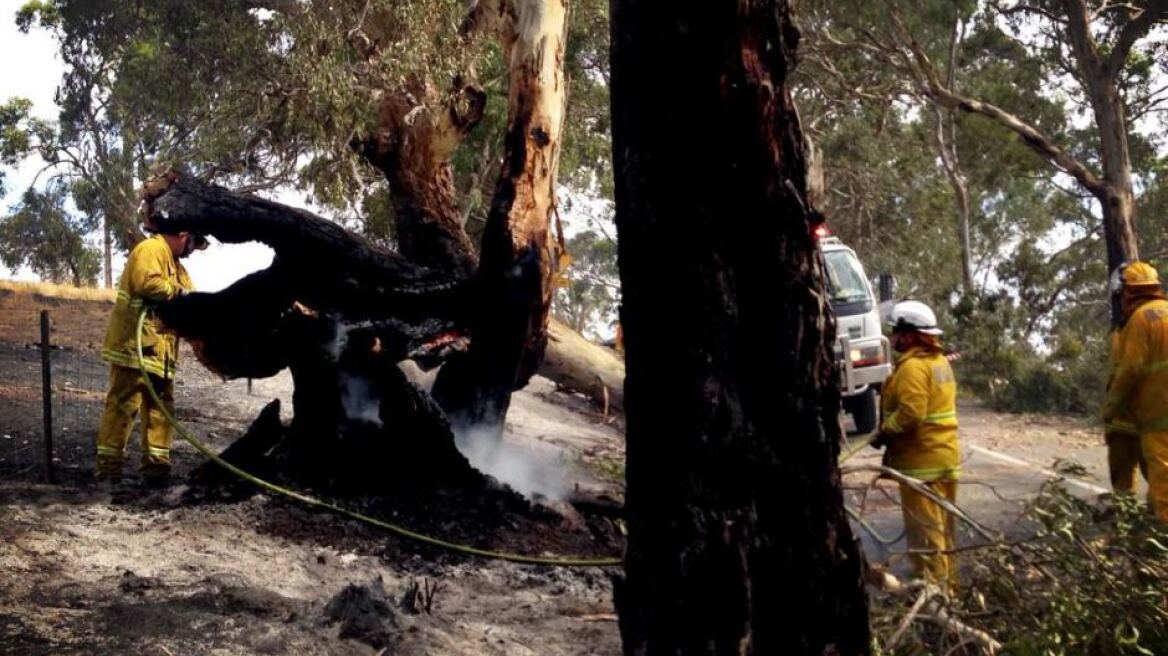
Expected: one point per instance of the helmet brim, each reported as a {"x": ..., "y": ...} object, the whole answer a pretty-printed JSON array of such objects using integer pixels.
[{"x": 904, "y": 327}]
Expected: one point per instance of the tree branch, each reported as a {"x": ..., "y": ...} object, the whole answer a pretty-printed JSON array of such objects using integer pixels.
[
  {"x": 933, "y": 88},
  {"x": 1031, "y": 136},
  {"x": 1083, "y": 43},
  {"x": 922, "y": 489},
  {"x": 1028, "y": 9},
  {"x": 1134, "y": 30},
  {"x": 485, "y": 16}
]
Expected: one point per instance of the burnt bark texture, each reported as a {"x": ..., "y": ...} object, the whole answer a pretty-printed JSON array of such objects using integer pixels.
[
  {"x": 339, "y": 312},
  {"x": 738, "y": 541},
  {"x": 508, "y": 324}
]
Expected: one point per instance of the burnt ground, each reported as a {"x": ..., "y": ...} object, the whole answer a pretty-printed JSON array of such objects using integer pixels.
[
  {"x": 138, "y": 572},
  {"x": 82, "y": 572}
]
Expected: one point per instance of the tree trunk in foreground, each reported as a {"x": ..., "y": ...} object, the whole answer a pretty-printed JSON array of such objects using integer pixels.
[{"x": 738, "y": 542}]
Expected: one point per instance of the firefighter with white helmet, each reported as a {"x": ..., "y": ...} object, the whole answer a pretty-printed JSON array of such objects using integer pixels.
[
  {"x": 919, "y": 403},
  {"x": 1139, "y": 387}
]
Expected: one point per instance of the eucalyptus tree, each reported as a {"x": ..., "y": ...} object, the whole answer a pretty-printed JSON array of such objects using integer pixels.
[
  {"x": 371, "y": 107},
  {"x": 1108, "y": 58}
]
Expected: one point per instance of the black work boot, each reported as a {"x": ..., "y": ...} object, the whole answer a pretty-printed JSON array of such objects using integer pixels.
[
  {"x": 156, "y": 481},
  {"x": 155, "y": 476}
]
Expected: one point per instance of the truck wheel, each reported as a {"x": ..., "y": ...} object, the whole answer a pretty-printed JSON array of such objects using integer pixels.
[{"x": 864, "y": 409}]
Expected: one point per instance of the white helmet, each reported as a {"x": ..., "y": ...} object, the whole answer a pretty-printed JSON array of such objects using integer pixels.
[{"x": 913, "y": 315}]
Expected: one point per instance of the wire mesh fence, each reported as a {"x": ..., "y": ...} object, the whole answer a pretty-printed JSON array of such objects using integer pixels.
[
  {"x": 53, "y": 384},
  {"x": 21, "y": 410},
  {"x": 57, "y": 440},
  {"x": 78, "y": 385}
]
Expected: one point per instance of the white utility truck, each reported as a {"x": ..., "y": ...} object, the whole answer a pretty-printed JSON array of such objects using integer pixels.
[{"x": 862, "y": 350}]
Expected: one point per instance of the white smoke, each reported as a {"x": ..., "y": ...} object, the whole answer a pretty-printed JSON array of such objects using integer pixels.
[
  {"x": 529, "y": 472},
  {"x": 359, "y": 401}
]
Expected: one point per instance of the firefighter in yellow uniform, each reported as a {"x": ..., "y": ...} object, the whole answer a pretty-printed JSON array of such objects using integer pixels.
[
  {"x": 919, "y": 428},
  {"x": 1124, "y": 453},
  {"x": 1140, "y": 386},
  {"x": 153, "y": 273}
]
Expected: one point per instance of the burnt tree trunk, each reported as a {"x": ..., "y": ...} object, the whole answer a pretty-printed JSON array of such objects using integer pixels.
[
  {"x": 508, "y": 323},
  {"x": 738, "y": 542}
]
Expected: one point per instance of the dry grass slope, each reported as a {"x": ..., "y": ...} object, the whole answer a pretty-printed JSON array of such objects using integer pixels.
[{"x": 50, "y": 290}]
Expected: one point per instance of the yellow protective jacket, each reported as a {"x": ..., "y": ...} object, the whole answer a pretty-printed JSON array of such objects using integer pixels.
[
  {"x": 919, "y": 401},
  {"x": 1140, "y": 386},
  {"x": 152, "y": 273},
  {"x": 1122, "y": 421}
]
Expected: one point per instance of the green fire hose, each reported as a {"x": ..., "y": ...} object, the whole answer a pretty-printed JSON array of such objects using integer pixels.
[{"x": 372, "y": 521}]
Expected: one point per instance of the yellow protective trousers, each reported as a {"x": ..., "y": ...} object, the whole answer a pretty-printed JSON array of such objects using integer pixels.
[
  {"x": 126, "y": 398},
  {"x": 1156, "y": 454},
  {"x": 928, "y": 527},
  {"x": 1124, "y": 456}
]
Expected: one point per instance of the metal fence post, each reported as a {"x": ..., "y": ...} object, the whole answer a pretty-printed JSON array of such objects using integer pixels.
[{"x": 47, "y": 394}]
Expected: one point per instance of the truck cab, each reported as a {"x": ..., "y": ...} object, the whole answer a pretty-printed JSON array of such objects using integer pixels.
[{"x": 862, "y": 351}]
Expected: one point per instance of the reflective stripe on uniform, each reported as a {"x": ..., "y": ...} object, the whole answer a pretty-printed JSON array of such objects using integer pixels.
[
  {"x": 1155, "y": 366},
  {"x": 1157, "y": 425},
  {"x": 109, "y": 451},
  {"x": 158, "y": 452},
  {"x": 1127, "y": 428},
  {"x": 941, "y": 417},
  {"x": 932, "y": 473},
  {"x": 892, "y": 426},
  {"x": 153, "y": 366},
  {"x": 124, "y": 296}
]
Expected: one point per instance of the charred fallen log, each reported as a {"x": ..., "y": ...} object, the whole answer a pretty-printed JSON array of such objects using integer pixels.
[
  {"x": 339, "y": 313},
  {"x": 321, "y": 264}
]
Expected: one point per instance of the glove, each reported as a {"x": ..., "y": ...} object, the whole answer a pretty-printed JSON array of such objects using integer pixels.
[{"x": 880, "y": 441}]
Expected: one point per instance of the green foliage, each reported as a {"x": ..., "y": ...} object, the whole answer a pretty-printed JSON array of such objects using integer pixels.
[
  {"x": 1091, "y": 581},
  {"x": 1075, "y": 578},
  {"x": 1032, "y": 331},
  {"x": 18, "y": 133},
  {"x": 259, "y": 98},
  {"x": 42, "y": 234},
  {"x": 586, "y": 155},
  {"x": 590, "y": 299}
]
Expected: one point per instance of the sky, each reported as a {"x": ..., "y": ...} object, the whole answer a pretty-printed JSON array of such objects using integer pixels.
[{"x": 32, "y": 70}]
